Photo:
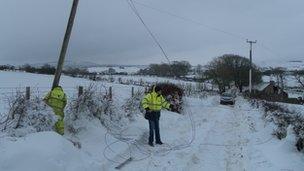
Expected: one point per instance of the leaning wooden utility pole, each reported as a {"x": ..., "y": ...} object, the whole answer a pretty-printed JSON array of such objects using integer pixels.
[
  {"x": 65, "y": 44},
  {"x": 250, "y": 70}
]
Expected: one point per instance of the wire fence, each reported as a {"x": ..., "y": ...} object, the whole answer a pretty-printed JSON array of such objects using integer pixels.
[{"x": 40, "y": 91}]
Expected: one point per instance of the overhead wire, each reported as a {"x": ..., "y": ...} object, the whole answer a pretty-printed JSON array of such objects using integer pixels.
[
  {"x": 237, "y": 36},
  {"x": 133, "y": 7},
  {"x": 157, "y": 42},
  {"x": 136, "y": 12},
  {"x": 263, "y": 46},
  {"x": 190, "y": 20},
  {"x": 119, "y": 138}
]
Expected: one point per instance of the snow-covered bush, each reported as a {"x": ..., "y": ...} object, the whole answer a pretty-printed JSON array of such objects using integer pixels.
[
  {"x": 94, "y": 103},
  {"x": 132, "y": 106},
  {"x": 279, "y": 116},
  {"x": 299, "y": 131},
  {"x": 27, "y": 116},
  {"x": 194, "y": 90},
  {"x": 199, "y": 90},
  {"x": 280, "y": 132},
  {"x": 300, "y": 144},
  {"x": 282, "y": 117}
]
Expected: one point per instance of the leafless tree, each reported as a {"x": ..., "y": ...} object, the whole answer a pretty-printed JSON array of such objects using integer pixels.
[
  {"x": 231, "y": 69},
  {"x": 280, "y": 74},
  {"x": 299, "y": 75}
]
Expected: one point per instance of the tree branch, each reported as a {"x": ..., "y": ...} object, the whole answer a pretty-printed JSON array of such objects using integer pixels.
[{"x": 298, "y": 78}]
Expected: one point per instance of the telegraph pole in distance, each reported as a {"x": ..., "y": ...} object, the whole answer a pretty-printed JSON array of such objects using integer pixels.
[
  {"x": 250, "y": 70},
  {"x": 65, "y": 44}
]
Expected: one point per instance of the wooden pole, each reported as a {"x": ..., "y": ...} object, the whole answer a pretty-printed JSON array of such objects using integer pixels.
[
  {"x": 28, "y": 93},
  {"x": 80, "y": 91},
  {"x": 250, "y": 69},
  {"x": 65, "y": 44},
  {"x": 110, "y": 93},
  {"x": 132, "y": 92}
]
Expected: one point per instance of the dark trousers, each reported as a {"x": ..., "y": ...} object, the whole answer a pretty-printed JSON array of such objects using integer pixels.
[{"x": 154, "y": 128}]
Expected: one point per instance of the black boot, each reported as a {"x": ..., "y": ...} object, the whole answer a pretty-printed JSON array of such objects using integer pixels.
[
  {"x": 151, "y": 144},
  {"x": 159, "y": 142}
]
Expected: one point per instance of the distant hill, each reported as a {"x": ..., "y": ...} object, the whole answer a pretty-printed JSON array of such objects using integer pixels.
[
  {"x": 93, "y": 67},
  {"x": 289, "y": 65},
  {"x": 70, "y": 64}
]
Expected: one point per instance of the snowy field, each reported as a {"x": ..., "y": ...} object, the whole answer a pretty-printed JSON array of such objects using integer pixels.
[
  {"x": 129, "y": 70},
  {"x": 149, "y": 79},
  {"x": 289, "y": 65},
  {"x": 41, "y": 84},
  {"x": 208, "y": 136}
]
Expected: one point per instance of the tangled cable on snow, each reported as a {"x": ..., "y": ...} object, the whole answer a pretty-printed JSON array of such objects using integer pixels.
[{"x": 135, "y": 145}]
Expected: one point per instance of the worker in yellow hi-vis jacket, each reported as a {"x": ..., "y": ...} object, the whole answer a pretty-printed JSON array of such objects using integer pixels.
[
  {"x": 57, "y": 100},
  {"x": 153, "y": 102}
]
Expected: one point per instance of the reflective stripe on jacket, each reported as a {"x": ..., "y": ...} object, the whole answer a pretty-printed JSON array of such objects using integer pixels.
[{"x": 154, "y": 101}]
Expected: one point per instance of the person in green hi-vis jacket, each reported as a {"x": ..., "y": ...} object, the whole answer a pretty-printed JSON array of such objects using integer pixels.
[{"x": 57, "y": 100}]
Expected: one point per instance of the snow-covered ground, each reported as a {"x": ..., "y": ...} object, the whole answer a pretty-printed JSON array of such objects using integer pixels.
[{"x": 208, "y": 136}]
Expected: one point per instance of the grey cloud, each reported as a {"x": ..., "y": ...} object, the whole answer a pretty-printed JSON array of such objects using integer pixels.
[{"x": 106, "y": 31}]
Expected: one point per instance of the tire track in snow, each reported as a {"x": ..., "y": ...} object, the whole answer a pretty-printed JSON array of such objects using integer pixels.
[
  {"x": 212, "y": 144},
  {"x": 236, "y": 157}
]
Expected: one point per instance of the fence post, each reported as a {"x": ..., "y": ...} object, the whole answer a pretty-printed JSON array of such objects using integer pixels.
[
  {"x": 132, "y": 91},
  {"x": 80, "y": 91},
  {"x": 28, "y": 93},
  {"x": 110, "y": 93}
]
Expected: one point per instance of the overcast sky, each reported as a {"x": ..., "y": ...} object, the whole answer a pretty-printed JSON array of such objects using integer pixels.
[{"x": 108, "y": 32}]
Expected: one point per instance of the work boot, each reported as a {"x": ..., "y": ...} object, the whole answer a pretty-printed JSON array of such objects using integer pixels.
[
  {"x": 151, "y": 144},
  {"x": 159, "y": 142}
]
